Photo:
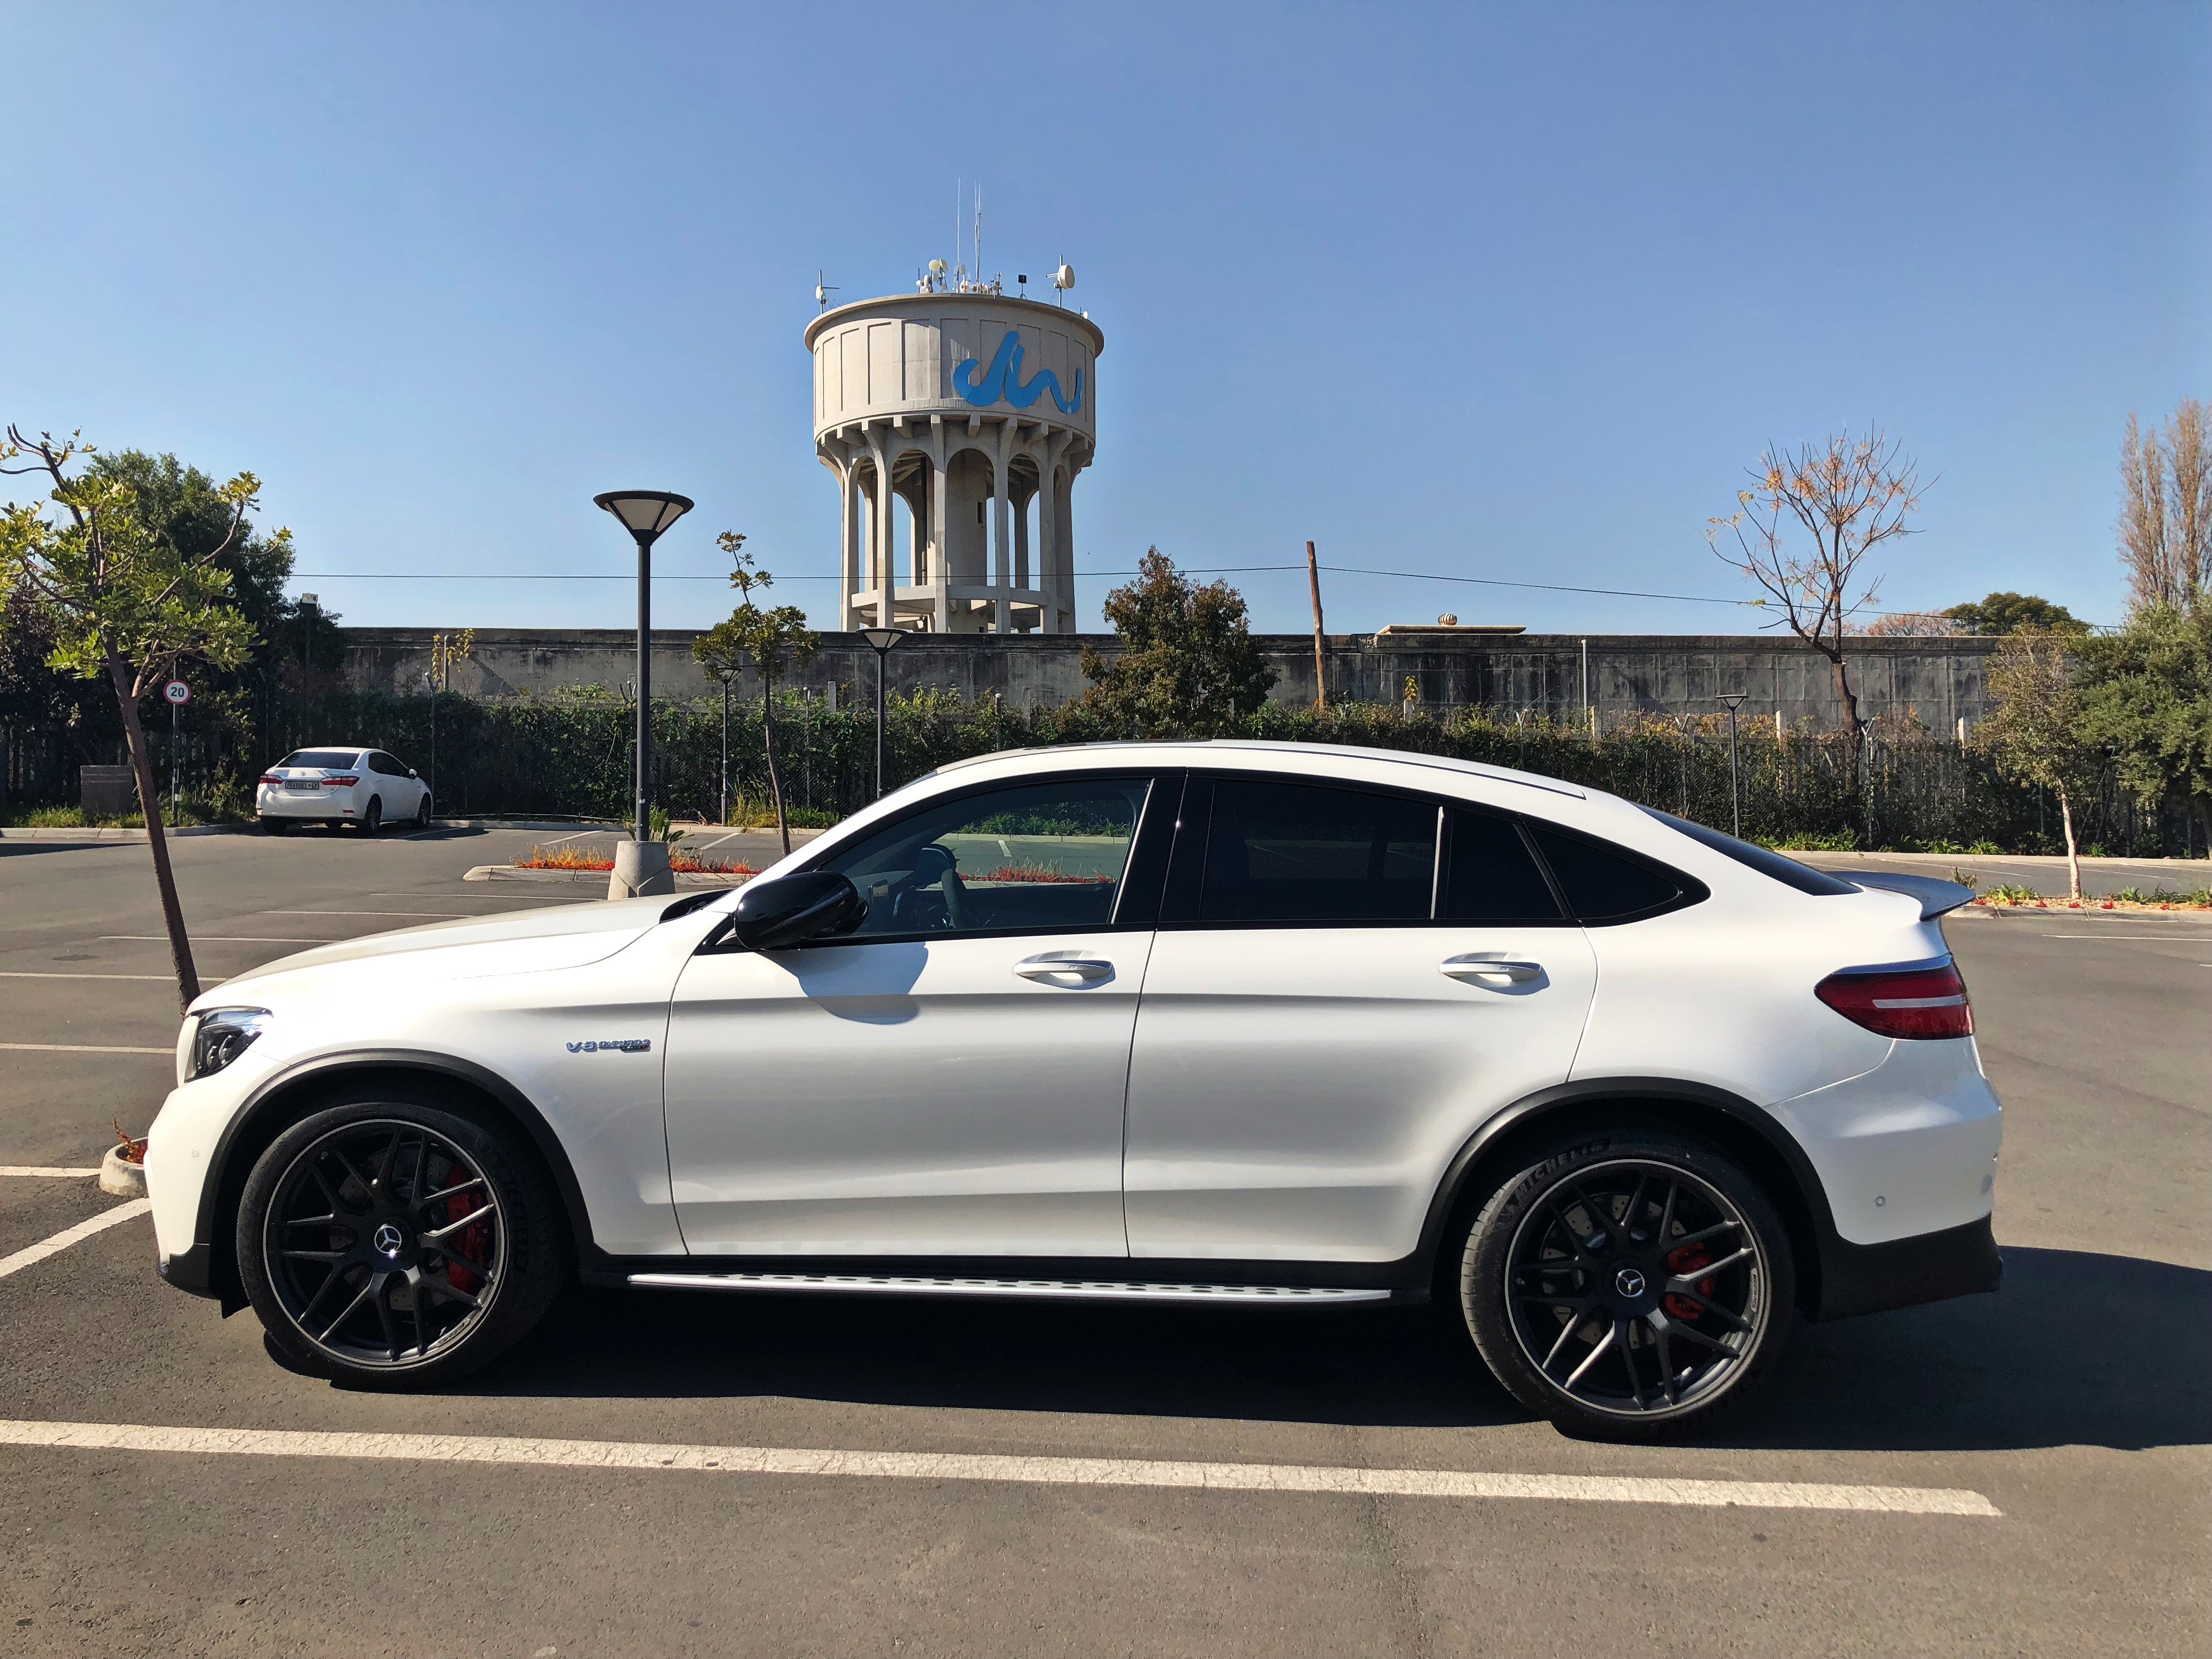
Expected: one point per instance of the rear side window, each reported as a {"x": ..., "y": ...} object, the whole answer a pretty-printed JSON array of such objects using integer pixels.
[
  {"x": 1603, "y": 883},
  {"x": 1787, "y": 870},
  {"x": 1489, "y": 875},
  {"x": 1299, "y": 853},
  {"x": 335, "y": 760}
]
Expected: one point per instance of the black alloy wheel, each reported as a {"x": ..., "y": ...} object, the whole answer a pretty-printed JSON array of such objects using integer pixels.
[
  {"x": 372, "y": 820},
  {"x": 1630, "y": 1286},
  {"x": 392, "y": 1244},
  {"x": 274, "y": 827}
]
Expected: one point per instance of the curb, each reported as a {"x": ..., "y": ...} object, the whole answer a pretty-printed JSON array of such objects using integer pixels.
[
  {"x": 122, "y": 1179},
  {"x": 2089, "y": 908},
  {"x": 91, "y": 835},
  {"x": 589, "y": 878}
]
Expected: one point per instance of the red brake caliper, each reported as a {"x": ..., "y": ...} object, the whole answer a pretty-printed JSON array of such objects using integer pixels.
[
  {"x": 1688, "y": 1260},
  {"x": 474, "y": 1240}
]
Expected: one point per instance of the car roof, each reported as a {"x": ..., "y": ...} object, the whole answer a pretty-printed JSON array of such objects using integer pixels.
[{"x": 1322, "y": 759}]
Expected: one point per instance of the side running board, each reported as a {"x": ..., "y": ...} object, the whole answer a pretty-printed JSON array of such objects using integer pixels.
[{"x": 1057, "y": 1289}]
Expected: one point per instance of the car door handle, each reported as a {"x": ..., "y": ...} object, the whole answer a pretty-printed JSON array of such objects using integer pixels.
[
  {"x": 1066, "y": 972},
  {"x": 1481, "y": 967}
]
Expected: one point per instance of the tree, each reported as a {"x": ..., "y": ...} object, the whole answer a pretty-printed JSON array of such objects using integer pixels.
[
  {"x": 775, "y": 639},
  {"x": 1805, "y": 530},
  {"x": 124, "y": 601},
  {"x": 2166, "y": 510},
  {"x": 2037, "y": 732},
  {"x": 1188, "y": 665},
  {"x": 2148, "y": 692},
  {"x": 2008, "y": 613}
]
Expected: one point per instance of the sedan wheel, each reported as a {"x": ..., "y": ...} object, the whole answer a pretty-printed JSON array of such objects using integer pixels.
[
  {"x": 372, "y": 819},
  {"x": 423, "y": 813},
  {"x": 1630, "y": 1286},
  {"x": 393, "y": 1243}
]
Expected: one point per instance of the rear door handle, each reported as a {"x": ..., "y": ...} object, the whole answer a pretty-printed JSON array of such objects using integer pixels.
[
  {"x": 1066, "y": 972},
  {"x": 1483, "y": 967}
]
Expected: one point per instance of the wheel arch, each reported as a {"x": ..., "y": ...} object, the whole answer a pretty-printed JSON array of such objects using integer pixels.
[
  {"x": 1767, "y": 1151},
  {"x": 286, "y": 1097}
]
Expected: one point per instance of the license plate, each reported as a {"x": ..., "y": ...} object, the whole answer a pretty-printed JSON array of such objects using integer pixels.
[{"x": 300, "y": 785}]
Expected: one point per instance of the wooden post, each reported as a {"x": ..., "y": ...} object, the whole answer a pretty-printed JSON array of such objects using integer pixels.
[{"x": 1321, "y": 668}]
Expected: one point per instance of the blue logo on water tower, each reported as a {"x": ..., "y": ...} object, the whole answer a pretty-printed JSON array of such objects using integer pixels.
[{"x": 1003, "y": 378}]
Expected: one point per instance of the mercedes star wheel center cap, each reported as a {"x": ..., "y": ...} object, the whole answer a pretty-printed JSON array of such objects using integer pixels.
[
  {"x": 1628, "y": 1281},
  {"x": 390, "y": 1241}
]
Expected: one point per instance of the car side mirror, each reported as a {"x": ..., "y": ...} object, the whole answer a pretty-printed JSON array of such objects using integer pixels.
[
  {"x": 773, "y": 916},
  {"x": 413, "y": 773}
]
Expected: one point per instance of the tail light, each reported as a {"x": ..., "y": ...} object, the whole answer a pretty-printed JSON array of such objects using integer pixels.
[
  {"x": 270, "y": 777},
  {"x": 346, "y": 782},
  {"x": 1909, "y": 1002}
]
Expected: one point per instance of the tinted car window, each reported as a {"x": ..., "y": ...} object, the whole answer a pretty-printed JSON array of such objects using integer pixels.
[
  {"x": 337, "y": 760},
  {"x": 1788, "y": 871},
  {"x": 1037, "y": 857},
  {"x": 1489, "y": 875},
  {"x": 1603, "y": 883},
  {"x": 1295, "y": 853}
]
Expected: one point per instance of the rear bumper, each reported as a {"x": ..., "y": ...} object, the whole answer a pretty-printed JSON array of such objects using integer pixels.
[
  {"x": 1904, "y": 1272},
  {"x": 311, "y": 808}
]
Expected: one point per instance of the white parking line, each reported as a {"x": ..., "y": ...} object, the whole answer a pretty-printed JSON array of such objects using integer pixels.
[
  {"x": 208, "y": 938},
  {"x": 32, "y": 1254},
  {"x": 41, "y": 1170},
  {"x": 1287, "y": 1478},
  {"x": 82, "y": 1048},
  {"x": 165, "y": 979},
  {"x": 2194, "y": 936},
  {"x": 448, "y": 915}
]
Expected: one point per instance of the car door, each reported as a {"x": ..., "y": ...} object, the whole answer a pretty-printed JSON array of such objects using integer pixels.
[
  {"x": 949, "y": 1078},
  {"x": 1345, "y": 983}
]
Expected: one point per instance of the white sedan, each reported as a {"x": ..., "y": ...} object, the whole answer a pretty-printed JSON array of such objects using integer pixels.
[
  {"x": 365, "y": 787},
  {"x": 1226, "y": 1023}
]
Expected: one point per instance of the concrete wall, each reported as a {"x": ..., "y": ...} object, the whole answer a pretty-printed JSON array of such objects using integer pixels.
[{"x": 1939, "y": 680}]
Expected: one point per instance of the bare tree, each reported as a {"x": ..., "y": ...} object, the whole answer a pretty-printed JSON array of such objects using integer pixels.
[
  {"x": 2166, "y": 510},
  {"x": 1804, "y": 531}
]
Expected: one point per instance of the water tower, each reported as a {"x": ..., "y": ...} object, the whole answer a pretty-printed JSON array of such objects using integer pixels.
[{"x": 974, "y": 411}]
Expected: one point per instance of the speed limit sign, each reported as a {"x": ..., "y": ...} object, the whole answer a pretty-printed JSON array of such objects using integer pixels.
[{"x": 177, "y": 692}]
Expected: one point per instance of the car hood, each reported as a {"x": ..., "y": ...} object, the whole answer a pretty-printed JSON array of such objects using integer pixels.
[{"x": 568, "y": 936}]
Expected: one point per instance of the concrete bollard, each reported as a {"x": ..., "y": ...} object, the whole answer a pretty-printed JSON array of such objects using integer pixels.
[
  {"x": 641, "y": 870},
  {"x": 120, "y": 1176}
]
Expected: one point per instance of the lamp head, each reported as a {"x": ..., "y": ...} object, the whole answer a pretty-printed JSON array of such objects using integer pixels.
[
  {"x": 883, "y": 639},
  {"x": 1733, "y": 699},
  {"x": 644, "y": 512}
]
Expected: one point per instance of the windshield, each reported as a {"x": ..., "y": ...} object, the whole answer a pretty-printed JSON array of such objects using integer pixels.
[{"x": 329, "y": 759}]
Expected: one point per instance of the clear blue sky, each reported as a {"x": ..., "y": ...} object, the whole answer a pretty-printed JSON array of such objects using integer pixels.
[{"x": 1507, "y": 292}]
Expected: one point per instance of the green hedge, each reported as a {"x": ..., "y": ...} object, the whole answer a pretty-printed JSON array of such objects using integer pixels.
[{"x": 573, "y": 754}]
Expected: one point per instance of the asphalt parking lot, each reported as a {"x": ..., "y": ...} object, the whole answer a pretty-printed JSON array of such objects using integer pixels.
[{"x": 2077, "y": 1402}]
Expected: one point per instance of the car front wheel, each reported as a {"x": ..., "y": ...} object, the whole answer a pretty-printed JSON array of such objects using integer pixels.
[
  {"x": 396, "y": 1242},
  {"x": 423, "y": 813},
  {"x": 1628, "y": 1285}
]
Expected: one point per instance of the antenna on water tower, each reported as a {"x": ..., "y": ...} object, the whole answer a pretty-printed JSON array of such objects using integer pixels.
[
  {"x": 821, "y": 294},
  {"x": 1064, "y": 279}
]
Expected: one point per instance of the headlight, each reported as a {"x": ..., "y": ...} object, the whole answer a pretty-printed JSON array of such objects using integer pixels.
[{"x": 224, "y": 1034}]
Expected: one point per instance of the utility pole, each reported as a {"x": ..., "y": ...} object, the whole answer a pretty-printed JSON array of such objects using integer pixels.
[{"x": 1321, "y": 665}]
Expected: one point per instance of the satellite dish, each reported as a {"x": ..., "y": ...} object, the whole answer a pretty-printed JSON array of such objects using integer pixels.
[
  {"x": 937, "y": 267},
  {"x": 1064, "y": 278}
]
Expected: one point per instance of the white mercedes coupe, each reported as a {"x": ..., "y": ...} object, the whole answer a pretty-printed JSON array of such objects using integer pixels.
[{"x": 1222, "y": 1022}]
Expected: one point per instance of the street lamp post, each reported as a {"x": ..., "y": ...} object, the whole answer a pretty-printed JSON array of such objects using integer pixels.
[
  {"x": 880, "y": 641},
  {"x": 645, "y": 514},
  {"x": 1734, "y": 701}
]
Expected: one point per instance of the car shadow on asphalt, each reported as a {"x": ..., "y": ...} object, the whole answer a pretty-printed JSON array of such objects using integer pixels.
[{"x": 2077, "y": 1349}]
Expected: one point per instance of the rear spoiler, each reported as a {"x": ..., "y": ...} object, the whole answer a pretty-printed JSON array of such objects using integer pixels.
[{"x": 1936, "y": 897}]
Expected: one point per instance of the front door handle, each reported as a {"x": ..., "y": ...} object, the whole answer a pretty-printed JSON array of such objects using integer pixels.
[
  {"x": 1066, "y": 972},
  {"x": 1488, "y": 968}
]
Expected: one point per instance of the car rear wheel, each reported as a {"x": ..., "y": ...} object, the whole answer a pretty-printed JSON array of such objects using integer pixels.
[
  {"x": 396, "y": 1242},
  {"x": 372, "y": 818},
  {"x": 1628, "y": 1286},
  {"x": 274, "y": 827}
]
